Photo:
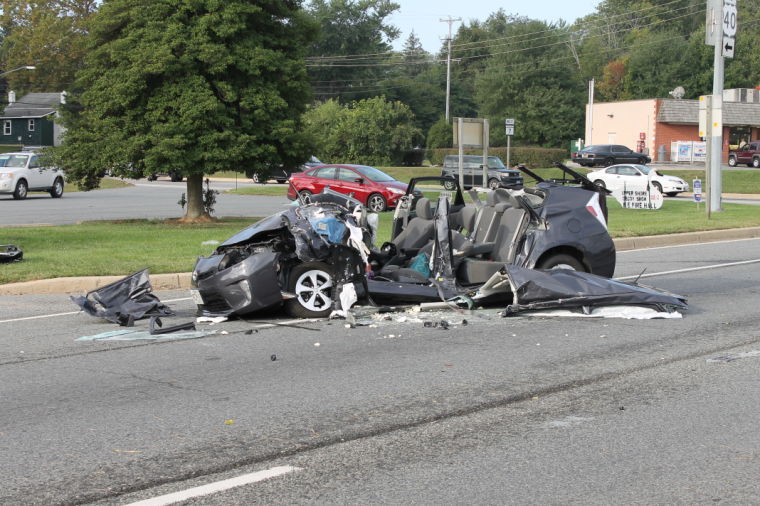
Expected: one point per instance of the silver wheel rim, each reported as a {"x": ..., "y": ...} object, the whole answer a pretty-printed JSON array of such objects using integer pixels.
[
  {"x": 306, "y": 197},
  {"x": 563, "y": 266},
  {"x": 58, "y": 187},
  {"x": 756, "y": 163},
  {"x": 493, "y": 185},
  {"x": 313, "y": 290},
  {"x": 256, "y": 178},
  {"x": 22, "y": 190},
  {"x": 375, "y": 203}
]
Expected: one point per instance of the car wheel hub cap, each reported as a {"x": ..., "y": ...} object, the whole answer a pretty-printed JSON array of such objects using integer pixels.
[{"x": 312, "y": 289}]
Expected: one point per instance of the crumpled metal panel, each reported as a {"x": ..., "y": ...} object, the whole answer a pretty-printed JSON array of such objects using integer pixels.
[
  {"x": 124, "y": 301},
  {"x": 564, "y": 288}
]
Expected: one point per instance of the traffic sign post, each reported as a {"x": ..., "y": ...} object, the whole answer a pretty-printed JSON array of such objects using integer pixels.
[
  {"x": 696, "y": 186},
  {"x": 509, "y": 129}
]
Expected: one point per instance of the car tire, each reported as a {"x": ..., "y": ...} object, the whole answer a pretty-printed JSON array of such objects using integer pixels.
[
  {"x": 312, "y": 284},
  {"x": 732, "y": 161},
  {"x": 658, "y": 186},
  {"x": 671, "y": 194},
  {"x": 609, "y": 161},
  {"x": 450, "y": 185},
  {"x": 257, "y": 179},
  {"x": 756, "y": 162},
  {"x": 21, "y": 191},
  {"x": 305, "y": 196},
  {"x": 281, "y": 181},
  {"x": 642, "y": 161},
  {"x": 376, "y": 203},
  {"x": 561, "y": 261},
  {"x": 493, "y": 184},
  {"x": 57, "y": 190},
  {"x": 600, "y": 184},
  {"x": 152, "y": 177}
]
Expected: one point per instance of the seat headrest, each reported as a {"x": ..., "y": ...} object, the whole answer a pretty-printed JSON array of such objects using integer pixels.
[
  {"x": 491, "y": 198},
  {"x": 502, "y": 196},
  {"x": 423, "y": 209}
]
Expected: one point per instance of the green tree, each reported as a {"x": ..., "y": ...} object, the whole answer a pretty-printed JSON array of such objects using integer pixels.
[
  {"x": 440, "y": 135},
  {"x": 191, "y": 85},
  {"x": 372, "y": 131},
  {"x": 349, "y": 28},
  {"x": 50, "y": 35}
]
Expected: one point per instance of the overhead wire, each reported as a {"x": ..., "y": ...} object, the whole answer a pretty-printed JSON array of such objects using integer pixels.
[{"x": 561, "y": 42}]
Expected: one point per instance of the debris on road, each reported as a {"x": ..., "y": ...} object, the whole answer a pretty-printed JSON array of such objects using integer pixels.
[
  {"x": 124, "y": 301},
  {"x": 731, "y": 358},
  {"x": 156, "y": 326},
  {"x": 135, "y": 335},
  {"x": 10, "y": 253},
  {"x": 535, "y": 290}
]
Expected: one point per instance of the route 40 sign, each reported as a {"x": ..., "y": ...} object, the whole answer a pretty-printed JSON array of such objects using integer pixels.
[{"x": 729, "y": 28}]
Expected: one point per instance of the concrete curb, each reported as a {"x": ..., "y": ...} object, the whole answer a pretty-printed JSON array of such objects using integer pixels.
[{"x": 181, "y": 280}]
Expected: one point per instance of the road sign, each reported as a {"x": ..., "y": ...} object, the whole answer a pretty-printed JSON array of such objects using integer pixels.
[
  {"x": 510, "y": 130},
  {"x": 729, "y": 28},
  {"x": 509, "y": 121},
  {"x": 712, "y": 22},
  {"x": 696, "y": 186}
]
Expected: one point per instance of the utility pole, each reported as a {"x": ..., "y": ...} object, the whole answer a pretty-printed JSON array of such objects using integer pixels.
[{"x": 450, "y": 21}]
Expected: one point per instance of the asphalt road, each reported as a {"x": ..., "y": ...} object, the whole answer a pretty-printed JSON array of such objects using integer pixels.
[
  {"x": 519, "y": 410},
  {"x": 156, "y": 199}
]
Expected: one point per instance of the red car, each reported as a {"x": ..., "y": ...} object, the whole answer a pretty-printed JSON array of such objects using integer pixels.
[{"x": 376, "y": 189}]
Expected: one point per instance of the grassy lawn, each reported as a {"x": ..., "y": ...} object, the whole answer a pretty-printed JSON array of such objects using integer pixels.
[
  {"x": 111, "y": 247},
  {"x": 267, "y": 189},
  {"x": 677, "y": 216}
]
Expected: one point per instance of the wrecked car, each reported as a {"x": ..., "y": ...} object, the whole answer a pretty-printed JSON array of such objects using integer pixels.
[{"x": 320, "y": 256}]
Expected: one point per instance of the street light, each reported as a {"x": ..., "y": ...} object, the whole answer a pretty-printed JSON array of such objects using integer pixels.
[{"x": 25, "y": 67}]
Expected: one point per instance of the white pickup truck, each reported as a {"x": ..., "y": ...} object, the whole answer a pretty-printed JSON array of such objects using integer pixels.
[{"x": 22, "y": 172}]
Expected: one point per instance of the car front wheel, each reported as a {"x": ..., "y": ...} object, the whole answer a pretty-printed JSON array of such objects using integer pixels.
[
  {"x": 600, "y": 183},
  {"x": 561, "y": 261},
  {"x": 21, "y": 190},
  {"x": 376, "y": 203},
  {"x": 493, "y": 184},
  {"x": 732, "y": 161},
  {"x": 57, "y": 190},
  {"x": 671, "y": 194},
  {"x": 312, "y": 284},
  {"x": 756, "y": 163}
]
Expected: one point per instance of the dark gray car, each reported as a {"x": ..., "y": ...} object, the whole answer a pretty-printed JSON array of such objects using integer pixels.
[
  {"x": 499, "y": 176},
  {"x": 608, "y": 154},
  {"x": 311, "y": 257}
]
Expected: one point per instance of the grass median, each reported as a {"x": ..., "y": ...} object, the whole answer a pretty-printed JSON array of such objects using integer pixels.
[{"x": 121, "y": 247}]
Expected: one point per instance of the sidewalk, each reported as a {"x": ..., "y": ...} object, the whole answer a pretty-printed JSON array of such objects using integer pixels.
[{"x": 181, "y": 280}]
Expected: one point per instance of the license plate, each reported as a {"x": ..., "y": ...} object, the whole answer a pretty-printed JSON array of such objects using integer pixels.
[{"x": 196, "y": 295}]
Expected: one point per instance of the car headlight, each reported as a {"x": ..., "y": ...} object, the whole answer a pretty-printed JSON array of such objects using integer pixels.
[
  {"x": 6, "y": 175},
  {"x": 395, "y": 190}
]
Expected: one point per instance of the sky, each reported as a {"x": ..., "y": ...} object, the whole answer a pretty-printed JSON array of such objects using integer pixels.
[{"x": 423, "y": 16}]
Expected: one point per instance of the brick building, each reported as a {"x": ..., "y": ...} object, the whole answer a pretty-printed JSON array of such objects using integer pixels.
[{"x": 648, "y": 125}]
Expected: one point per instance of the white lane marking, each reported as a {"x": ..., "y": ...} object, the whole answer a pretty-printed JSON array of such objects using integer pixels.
[
  {"x": 39, "y": 316},
  {"x": 690, "y": 269},
  {"x": 215, "y": 487},
  {"x": 688, "y": 244}
]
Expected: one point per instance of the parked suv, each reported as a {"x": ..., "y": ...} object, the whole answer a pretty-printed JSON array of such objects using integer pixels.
[
  {"x": 499, "y": 176},
  {"x": 608, "y": 154},
  {"x": 23, "y": 172},
  {"x": 749, "y": 154}
]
